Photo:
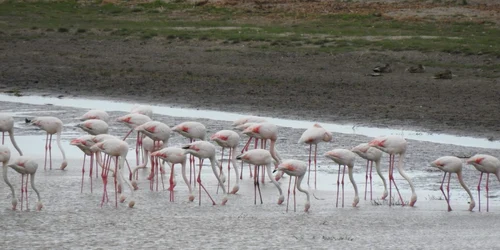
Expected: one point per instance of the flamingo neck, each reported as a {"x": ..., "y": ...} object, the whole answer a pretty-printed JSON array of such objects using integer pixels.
[
  {"x": 11, "y": 135},
  {"x": 32, "y": 177},
  {"x": 299, "y": 187},
  {"x": 4, "y": 171}
]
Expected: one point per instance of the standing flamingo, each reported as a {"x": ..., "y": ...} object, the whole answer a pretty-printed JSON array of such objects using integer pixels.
[
  {"x": 94, "y": 126},
  {"x": 84, "y": 143},
  {"x": 241, "y": 128},
  {"x": 393, "y": 145},
  {"x": 148, "y": 146},
  {"x": 51, "y": 125},
  {"x": 24, "y": 166},
  {"x": 143, "y": 110},
  {"x": 267, "y": 131},
  {"x": 485, "y": 164},
  {"x": 298, "y": 169},
  {"x": 194, "y": 131},
  {"x": 449, "y": 165},
  {"x": 229, "y": 139},
  {"x": 118, "y": 149},
  {"x": 314, "y": 135},
  {"x": 203, "y": 150},
  {"x": 132, "y": 121},
  {"x": 95, "y": 114},
  {"x": 175, "y": 156},
  {"x": 371, "y": 154},
  {"x": 261, "y": 157},
  {"x": 7, "y": 125},
  {"x": 344, "y": 157}
]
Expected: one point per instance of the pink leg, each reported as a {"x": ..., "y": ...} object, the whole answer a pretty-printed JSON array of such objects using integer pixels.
[
  {"x": 50, "y": 151},
  {"x": 343, "y": 174},
  {"x": 91, "y": 167},
  {"x": 137, "y": 150},
  {"x": 315, "y": 164},
  {"x": 487, "y": 193},
  {"x": 309, "y": 164},
  {"x": 288, "y": 196},
  {"x": 202, "y": 186},
  {"x": 3, "y": 138},
  {"x": 220, "y": 169},
  {"x": 263, "y": 175},
  {"x": 229, "y": 169},
  {"x": 479, "y": 191},
  {"x": 104, "y": 175},
  {"x": 391, "y": 161},
  {"x": 96, "y": 166},
  {"x": 26, "y": 192},
  {"x": 444, "y": 194},
  {"x": 46, "y": 150},
  {"x": 294, "y": 194},
  {"x": 371, "y": 180},
  {"x": 256, "y": 176},
  {"x": 338, "y": 187},
  {"x": 366, "y": 178},
  {"x": 22, "y": 191},
  {"x": 115, "y": 181},
  {"x": 394, "y": 182},
  {"x": 255, "y": 183},
  {"x": 83, "y": 172},
  {"x": 171, "y": 181}
]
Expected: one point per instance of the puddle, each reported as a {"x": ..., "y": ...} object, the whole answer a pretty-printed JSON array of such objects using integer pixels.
[{"x": 227, "y": 116}]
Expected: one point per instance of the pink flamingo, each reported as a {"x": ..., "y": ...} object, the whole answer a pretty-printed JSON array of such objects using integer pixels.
[
  {"x": 132, "y": 121},
  {"x": 193, "y": 131},
  {"x": 314, "y": 135},
  {"x": 51, "y": 125},
  {"x": 261, "y": 157},
  {"x": 485, "y": 164},
  {"x": 243, "y": 123},
  {"x": 247, "y": 119},
  {"x": 118, "y": 149},
  {"x": 7, "y": 125},
  {"x": 84, "y": 143},
  {"x": 148, "y": 146},
  {"x": 267, "y": 131},
  {"x": 203, "y": 150},
  {"x": 241, "y": 128},
  {"x": 449, "y": 165},
  {"x": 24, "y": 166},
  {"x": 371, "y": 154},
  {"x": 175, "y": 156},
  {"x": 393, "y": 145},
  {"x": 229, "y": 139},
  {"x": 94, "y": 126},
  {"x": 95, "y": 114},
  {"x": 298, "y": 169},
  {"x": 143, "y": 110},
  {"x": 344, "y": 157}
]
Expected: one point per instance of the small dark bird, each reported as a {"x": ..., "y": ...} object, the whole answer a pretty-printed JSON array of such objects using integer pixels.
[
  {"x": 383, "y": 69},
  {"x": 26, "y": 120},
  {"x": 443, "y": 75},
  {"x": 416, "y": 69}
]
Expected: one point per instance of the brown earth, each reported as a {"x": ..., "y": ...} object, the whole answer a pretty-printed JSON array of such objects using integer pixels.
[{"x": 235, "y": 77}]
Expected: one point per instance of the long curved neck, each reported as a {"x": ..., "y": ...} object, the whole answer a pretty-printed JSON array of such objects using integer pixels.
[
  {"x": 215, "y": 164},
  {"x": 121, "y": 163},
  {"x": 299, "y": 181},
  {"x": 235, "y": 164},
  {"x": 184, "y": 176},
  {"x": 4, "y": 171},
  {"x": 459, "y": 176},
  {"x": 379, "y": 172},
  {"x": 270, "y": 174},
  {"x": 33, "y": 186},
  {"x": 274, "y": 153},
  {"x": 402, "y": 172},
  {"x": 11, "y": 135},
  {"x": 58, "y": 139},
  {"x": 351, "y": 178}
]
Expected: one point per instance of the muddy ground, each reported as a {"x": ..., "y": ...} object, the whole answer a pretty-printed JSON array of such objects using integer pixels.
[{"x": 213, "y": 75}]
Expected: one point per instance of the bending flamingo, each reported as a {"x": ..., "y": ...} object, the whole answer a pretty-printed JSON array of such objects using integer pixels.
[
  {"x": 51, "y": 125},
  {"x": 24, "y": 166},
  {"x": 485, "y": 164},
  {"x": 314, "y": 135},
  {"x": 393, "y": 145},
  {"x": 84, "y": 143},
  {"x": 229, "y": 139},
  {"x": 175, "y": 156},
  {"x": 95, "y": 114},
  {"x": 203, "y": 150},
  {"x": 148, "y": 146},
  {"x": 143, "y": 110},
  {"x": 298, "y": 169},
  {"x": 194, "y": 131},
  {"x": 371, "y": 154},
  {"x": 449, "y": 165},
  {"x": 261, "y": 157},
  {"x": 344, "y": 157},
  {"x": 132, "y": 121},
  {"x": 94, "y": 126},
  {"x": 7, "y": 125}
]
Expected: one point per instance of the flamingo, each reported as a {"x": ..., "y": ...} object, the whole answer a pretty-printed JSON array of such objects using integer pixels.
[
  {"x": 143, "y": 110},
  {"x": 193, "y": 131},
  {"x": 148, "y": 146},
  {"x": 7, "y": 125},
  {"x": 241, "y": 128},
  {"x": 51, "y": 125},
  {"x": 261, "y": 157},
  {"x": 344, "y": 157},
  {"x": 393, "y": 145},
  {"x": 95, "y": 114},
  {"x": 229, "y": 139},
  {"x": 247, "y": 119},
  {"x": 84, "y": 143},
  {"x": 371, "y": 154},
  {"x": 132, "y": 121},
  {"x": 267, "y": 131},
  {"x": 94, "y": 126},
  {"x": 175, "y": 156},
  {"x": 485, "y": 164},
  {"x": 202, "y": 150},
  {"x": 449, "y": 165},
  {"x": 118, "y": 149},
  {"x": 24, "y": 166},
  {"x": 314, "y": 135},
  {"x": 298, "y": 169}
]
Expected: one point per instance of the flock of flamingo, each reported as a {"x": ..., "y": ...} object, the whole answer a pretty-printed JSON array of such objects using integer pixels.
[{"x": 104, "y": 149}]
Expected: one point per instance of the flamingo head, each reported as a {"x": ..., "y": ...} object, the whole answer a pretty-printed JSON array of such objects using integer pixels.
[
  {"x": 131, "y": 204},
  {"x": 355, "y": 202},
  {"x": 235, "y": 189},
  {"x": 191, "y": 197},
  {"x": 14, "y": 203},
  {"x": 281, "y": 199},
  {"x": 327, "y": 137},
  {"x": 39, "y": 206},
  {"x": 378, "y": 143},
  {"x": 64, "y": 164},
  {"x": 472, "y": 205},
  {"x": 413, "y": 200},
  {"x": 4, "y": 153},
  {"x": 307, "y": 206}
]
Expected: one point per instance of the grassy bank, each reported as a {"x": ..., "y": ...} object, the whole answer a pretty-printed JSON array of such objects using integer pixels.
[{"x": 230, "y": 24}]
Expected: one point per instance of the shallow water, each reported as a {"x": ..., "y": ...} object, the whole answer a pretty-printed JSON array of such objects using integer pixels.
[{"x": 71, "y": 219}]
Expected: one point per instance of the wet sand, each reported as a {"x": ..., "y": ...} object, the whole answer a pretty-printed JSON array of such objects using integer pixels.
[{"x": 74, "y": 220}]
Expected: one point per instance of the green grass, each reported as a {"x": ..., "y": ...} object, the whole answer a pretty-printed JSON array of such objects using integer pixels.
[{"x": 179, "y": 20}]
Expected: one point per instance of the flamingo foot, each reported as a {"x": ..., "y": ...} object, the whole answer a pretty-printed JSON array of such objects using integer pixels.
[
  {"x": 131, "y": 204},
  {"x": 64, "y": 164},
  {"x": 150, "y": 177},
  {"x": 281, "y": 199},
  {"x": 224, "y": 201},
  {"x": 122, "y": 198}
]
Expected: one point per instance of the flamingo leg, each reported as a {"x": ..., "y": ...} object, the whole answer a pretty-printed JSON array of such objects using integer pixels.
[
  {"x": 50, "y": 151},
  {"x": 288, "y": 196},
  {"x": 91, "y": 168},
  {"x": 117, "y": 172},
  {"x": 487, "y": 193},
  {"x": 229, "y": 169},
  {"x": 391, "y": 162},
  {"x": 83, "y": 172},
  {"x": 171, "y": 181},
  {"x": 294, "y": 194},
  {"x": 338, "y": 187},
  {"x": 202, "y": 186},
  {"x": 444, "y": 194},
  {"x": 26, "y": 192},
  {"x": 448, "y": 192},
  {"x": 371, "y": 180},
  {"x": 343, "y": 174},
  {"x": 46, "y": 150},
  {"x": 220, "y": 169},
  {"x": 479, "y": 191},
  {"x": 258, "y": 185},
  {"x": 315, "y": 164},
  {"x": 309, "y": 164},
  {"x": 22, "y": 191},
  {"x": 3, "y": 138},
  {"x": 255, "y": 183},
  {"x": 366, "y": 178},
  {"x": 394, "y": 182}
]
